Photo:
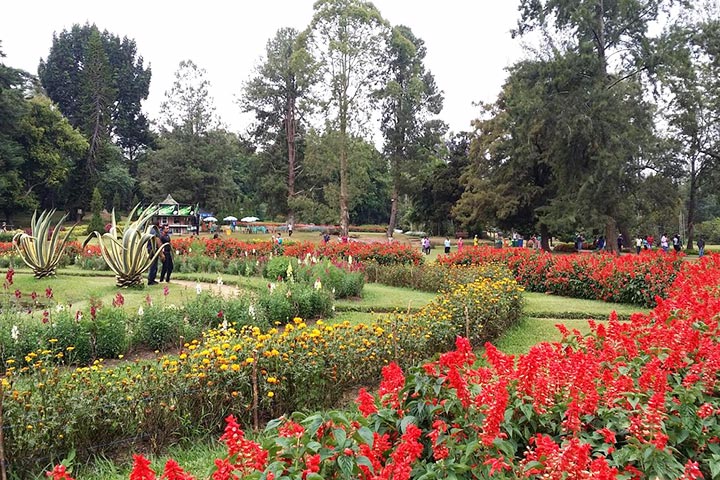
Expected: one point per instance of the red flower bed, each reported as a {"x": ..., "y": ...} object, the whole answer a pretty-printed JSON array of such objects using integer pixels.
[
  {"x": 231, "y": 248},
  {"x": 630, "y": 400},
  {"x": 636, "y": 279},
  {"x": 383, "y": 253}
]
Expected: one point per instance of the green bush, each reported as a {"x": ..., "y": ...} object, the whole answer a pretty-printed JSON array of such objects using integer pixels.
[
  {"x": 276, "y": 268},
  {"x": 159, "y": 328},
  {"x": 338, "y": 280},
  {"x": 91, "y": 263},
  {"x": 429, "y": 278},
  {"x": 7, "y": 261},
  {"x": 110, "y": 332},
  {"x": 244, "y": 267},
  {"x": 709, "y": 230},
  {"x": 73, "y": 337}
]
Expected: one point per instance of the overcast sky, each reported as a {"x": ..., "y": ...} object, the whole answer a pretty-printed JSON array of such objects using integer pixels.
[{"x": 468, "y": 41}]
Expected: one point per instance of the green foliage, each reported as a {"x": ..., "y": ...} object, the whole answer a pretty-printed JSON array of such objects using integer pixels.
[
  {"x": 347, "y": 38},
  {"x": 341, "y": 282},
  {"x": 277, "y": 268},
  {"x": 709, "y": 230},
  {"x": 109, "y": 332},
  {"x": 187, "y": 165},
  {"x": 159, "y": 328},
  {"x": 96, "y": 206},
  {"x": 43, "y": 249},
  {"x": 287, "y": 300},
  {"x": 428, "y": 278},
  {"x": 410, "y": 97},
  {"x": 128, "y": 258},
  {"x": 198, "y": 263},
  {"x": 86, "y": 65}
]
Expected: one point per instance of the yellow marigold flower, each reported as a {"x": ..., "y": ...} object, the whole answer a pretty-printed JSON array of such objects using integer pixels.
[
  {"x": 271, "y": 394},
  {"x": 235, "y": 367},
  {"x": 249, "y": 360}
]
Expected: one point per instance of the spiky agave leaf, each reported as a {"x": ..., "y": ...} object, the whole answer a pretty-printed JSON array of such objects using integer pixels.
[
  {"x": 128, "y": 257},
  {"x": 40, "y": 253}
]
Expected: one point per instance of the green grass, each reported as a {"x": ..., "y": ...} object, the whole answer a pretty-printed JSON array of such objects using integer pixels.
[
  {"x": 381, "y": 298},
  {"x": 531, "y": 331},
  {"x": 542, "y": 305},
  {"x": 79, "y": 291},
  {"x": 354, "y": 318},
  {"x": 196, "y": 458}
]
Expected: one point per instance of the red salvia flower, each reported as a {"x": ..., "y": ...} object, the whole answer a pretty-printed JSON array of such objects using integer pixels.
[
  {"x": 366, "y": 403},
  {"x": 173, "y": 471},
  {"x": 141, "y": 469}
]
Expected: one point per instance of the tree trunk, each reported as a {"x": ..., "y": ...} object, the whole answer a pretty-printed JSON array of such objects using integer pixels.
[
  {"x": 611, "y": 235},
  {"x": 393, "y": 212},
  {"x": 344, "y": 213},
  {"x": 692, "y": 205},
  {"x": 290, "y": 127},
  {"x": 544, "y": 237}
]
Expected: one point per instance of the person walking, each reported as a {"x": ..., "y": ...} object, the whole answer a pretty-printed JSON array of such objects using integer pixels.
[
  {"x": 167, "y": 256},
  {"x": 152, "y": 246},
  {"x": 677, "y": 244},
  {"x": 460, "y": 244},
  {"x": 701, "y": 246},
  {"x": 664, "y": 243},
  {"x": 447, "y": 244},
  {"x": 475, "y": 241},
  {"x": 638, "y": 244},
  {"x": 620, "y": 243}
]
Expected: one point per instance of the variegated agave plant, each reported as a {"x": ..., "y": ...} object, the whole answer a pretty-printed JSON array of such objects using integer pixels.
[
  {"x": 127, "y": 255},
  {"x": 42, "y": 250}
]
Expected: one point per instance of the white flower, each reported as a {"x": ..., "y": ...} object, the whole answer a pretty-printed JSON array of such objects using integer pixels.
[
  {"x": 333, "y": 290},
  {"x": 224, "y": 324},
  {"x": 332, "y": 308},
  {"x": 140, "y": 311},
  {"x": 59, "y": 308},
  {"x": 198, "y": 288},
  {"x": 190, "y": 250},
  {"x": 272, "y": 287},
  {"x": 219, "y": 280},
  {"x": 349, "y": 259},
  {"x": 251, "y": 311},
  {"x": 15, "y": 332},
  {"x": 317, "y": 284},
  {"x": 177, "y": 252}
]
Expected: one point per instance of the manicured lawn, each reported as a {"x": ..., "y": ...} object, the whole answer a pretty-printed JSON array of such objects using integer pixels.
[
  {"x": 542, "y": 305},
  {"x": 531, "y": 331},
  {"x": 381, "y": 298}
]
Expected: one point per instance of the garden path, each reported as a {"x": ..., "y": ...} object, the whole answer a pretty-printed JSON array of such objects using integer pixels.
[{"x": 226, "y": 291}]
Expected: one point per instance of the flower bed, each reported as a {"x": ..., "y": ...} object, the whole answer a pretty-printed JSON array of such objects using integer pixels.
[
  {"x": 248, "y": 372},
  {"x": 631, "y": 400},
  {"x": 636, "y": 279}
]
